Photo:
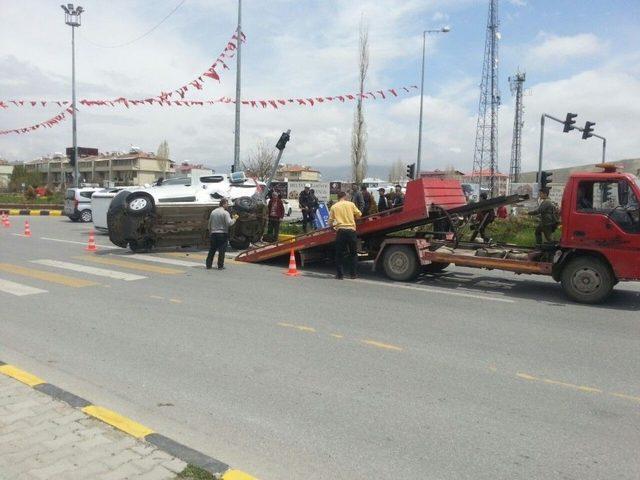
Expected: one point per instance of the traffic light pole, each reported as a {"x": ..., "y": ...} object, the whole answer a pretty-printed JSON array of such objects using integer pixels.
[{"x": 580, "y": 129}]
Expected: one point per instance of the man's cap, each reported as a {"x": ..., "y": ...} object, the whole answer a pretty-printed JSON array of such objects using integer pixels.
[
  {"x": 381, "y": 189},
  {"x": 307, "y": 185}
]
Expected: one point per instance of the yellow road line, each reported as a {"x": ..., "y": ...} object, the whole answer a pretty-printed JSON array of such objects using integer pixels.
[
  {"x": 118, "y": 421},
  {"x": 131, "y": 265},
  {"x": 175, "y": 300},
  {"x": 386, "y": 346},
  {"x": 337, "y": 335},
  {"x": 46, "y": 276},
  {"x": 196, "y": 256},
  {"x": 302, "y": 328},
  {"x": 236, "y": 475},
  {"x": 157, "y": 297},
  {"x": 626, "y": 397},
  {"x": 571, "y": 385},
  {"x": 21, "y": 375},
  {"x": 549, "y": 381}
]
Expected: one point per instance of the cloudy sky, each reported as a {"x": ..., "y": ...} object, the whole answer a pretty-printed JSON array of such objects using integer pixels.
[{"x": 579, "y": 55}]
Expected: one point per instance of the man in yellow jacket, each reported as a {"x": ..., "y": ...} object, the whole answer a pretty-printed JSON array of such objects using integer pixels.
[{"x": 342, "y": 217}]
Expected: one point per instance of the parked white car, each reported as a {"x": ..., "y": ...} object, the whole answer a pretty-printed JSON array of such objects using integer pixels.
[{"x": 77, "y": 203}]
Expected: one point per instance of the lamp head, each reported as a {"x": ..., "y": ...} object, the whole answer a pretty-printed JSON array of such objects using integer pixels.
[{"x": 446, "y": 29}]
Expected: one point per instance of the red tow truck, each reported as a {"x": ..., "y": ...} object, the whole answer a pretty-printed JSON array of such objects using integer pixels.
[{"x": 599, "y": 244}]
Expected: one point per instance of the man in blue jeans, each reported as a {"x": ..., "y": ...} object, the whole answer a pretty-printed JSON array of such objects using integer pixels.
[{"x": 219, "y": 223}]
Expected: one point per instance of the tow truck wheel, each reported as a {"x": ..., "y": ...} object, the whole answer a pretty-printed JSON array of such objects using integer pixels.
[
  {"x": 435, "y": 267},
  {"x": 400, "y": 263},
  {"x": 587, "y": 280}
]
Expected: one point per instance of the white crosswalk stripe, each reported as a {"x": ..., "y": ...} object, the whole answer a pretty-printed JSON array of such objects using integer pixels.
[
  {"x": 18, "y": 289},
  {"x": 101, "y": 272},
  {"x": 168, "y": 261}
]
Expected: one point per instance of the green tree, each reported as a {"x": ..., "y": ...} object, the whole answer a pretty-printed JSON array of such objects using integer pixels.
[{"x": 21, "y": 175}]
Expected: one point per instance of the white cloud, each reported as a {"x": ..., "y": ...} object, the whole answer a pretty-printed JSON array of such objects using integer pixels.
[{"x": 553, "y": 50}]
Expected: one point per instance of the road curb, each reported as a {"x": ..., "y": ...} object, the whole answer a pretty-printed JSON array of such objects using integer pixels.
[
  {"x": 217, "y": 468},
  {"x": 40, "y": 213}
]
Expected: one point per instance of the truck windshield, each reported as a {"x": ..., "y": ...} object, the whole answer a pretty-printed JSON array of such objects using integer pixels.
[{"x": 615, "y": 198}]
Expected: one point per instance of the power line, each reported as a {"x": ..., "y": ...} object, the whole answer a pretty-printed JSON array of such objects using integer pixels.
[{"x": 141, "y": 36}]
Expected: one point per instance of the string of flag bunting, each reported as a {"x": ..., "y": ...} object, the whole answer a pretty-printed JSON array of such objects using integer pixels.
[
  {"x": 274, "y": 103},
  {"x": 60, "y": 117}
]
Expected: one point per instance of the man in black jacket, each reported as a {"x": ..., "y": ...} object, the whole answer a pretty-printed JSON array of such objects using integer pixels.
[{"x": 306, "y": 202}]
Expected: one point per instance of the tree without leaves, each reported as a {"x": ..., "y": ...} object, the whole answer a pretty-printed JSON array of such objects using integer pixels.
[
  {"x": 260, "y": 161},
  {"x": 163, "y": 150},
  {"x": 397, "y": 172},
  {"x": 359, "y": 133}
]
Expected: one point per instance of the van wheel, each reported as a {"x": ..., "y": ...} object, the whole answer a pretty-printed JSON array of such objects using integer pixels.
[
  {"x": 139, "y": 204},
  {"x": 587, "y": 280},
  {"x": 86, "y": 216},
  {"x": 400, "y": 263}
]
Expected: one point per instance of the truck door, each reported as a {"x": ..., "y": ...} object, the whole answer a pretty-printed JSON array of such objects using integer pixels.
[{"x": 606, "y": 218}]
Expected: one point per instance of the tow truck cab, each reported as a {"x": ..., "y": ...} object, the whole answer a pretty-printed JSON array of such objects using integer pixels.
[{"x": 601, "y": 221}]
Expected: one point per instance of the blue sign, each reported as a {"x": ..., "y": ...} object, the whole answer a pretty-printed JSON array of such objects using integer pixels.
[{"x": 322, "y": 216}]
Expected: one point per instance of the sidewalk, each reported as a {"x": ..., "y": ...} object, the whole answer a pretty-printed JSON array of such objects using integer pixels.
[{"x": 45, "y": 439}]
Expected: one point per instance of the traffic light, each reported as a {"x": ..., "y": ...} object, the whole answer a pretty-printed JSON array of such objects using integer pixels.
[
  {"x": 411, "y": 171},
  {"x": 72, "y": 158},
  {"x": 233, "y": 168},
  {"x": 569, "y": 122},
  {"x": 284, "y": 138},
  {"x": 588, "y": 130},
  {"x": 545, "y": 179}
]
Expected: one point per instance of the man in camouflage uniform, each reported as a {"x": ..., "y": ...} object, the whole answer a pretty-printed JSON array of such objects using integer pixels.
[{"x": 548, "y": 214}]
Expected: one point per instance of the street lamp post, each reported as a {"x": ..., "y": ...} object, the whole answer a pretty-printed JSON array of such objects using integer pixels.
[
  {"x": 424, "y": 45},
  {"x": 72, "y": 18}
]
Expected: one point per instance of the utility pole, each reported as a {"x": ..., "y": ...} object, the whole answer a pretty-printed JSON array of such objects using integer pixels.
[
  {"x": 486, "y": 147},
  {"x": 236, "y": 141},
  {"x": 424, "y": 44},
  {"x": 517, "y": 84},
  {"x": 72, "y": 18}
]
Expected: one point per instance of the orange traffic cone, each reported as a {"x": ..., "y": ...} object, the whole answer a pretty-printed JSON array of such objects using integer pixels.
[
  {"x": 91, "y": 247},
  {"x": 27, "y": 230},
  {"x": 293, "y": 270},
  {"x": 5, "y": 221}
]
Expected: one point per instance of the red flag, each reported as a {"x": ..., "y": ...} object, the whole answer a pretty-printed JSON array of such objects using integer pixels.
[
  {"x": 393, "y": 92},
  {"x": 310, "y": 100},
  {"x": 382, "y": 94},
  {"x": 212, "y": 74},
  {"x": 273, "y": 104},
  {"x": 263, "y": 103},
  {"x": 301, "y": 101}
]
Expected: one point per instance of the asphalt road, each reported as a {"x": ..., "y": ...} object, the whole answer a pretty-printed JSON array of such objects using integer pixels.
[{"x": 464, "y": 375}]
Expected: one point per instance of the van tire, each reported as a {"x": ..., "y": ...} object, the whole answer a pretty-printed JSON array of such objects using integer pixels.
[
  {"x": 400, "y": 263},
  {"x": 587, "y": 279},
  {"x": 245, "y": 204},
  {"x": 139, "y": 204}
]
